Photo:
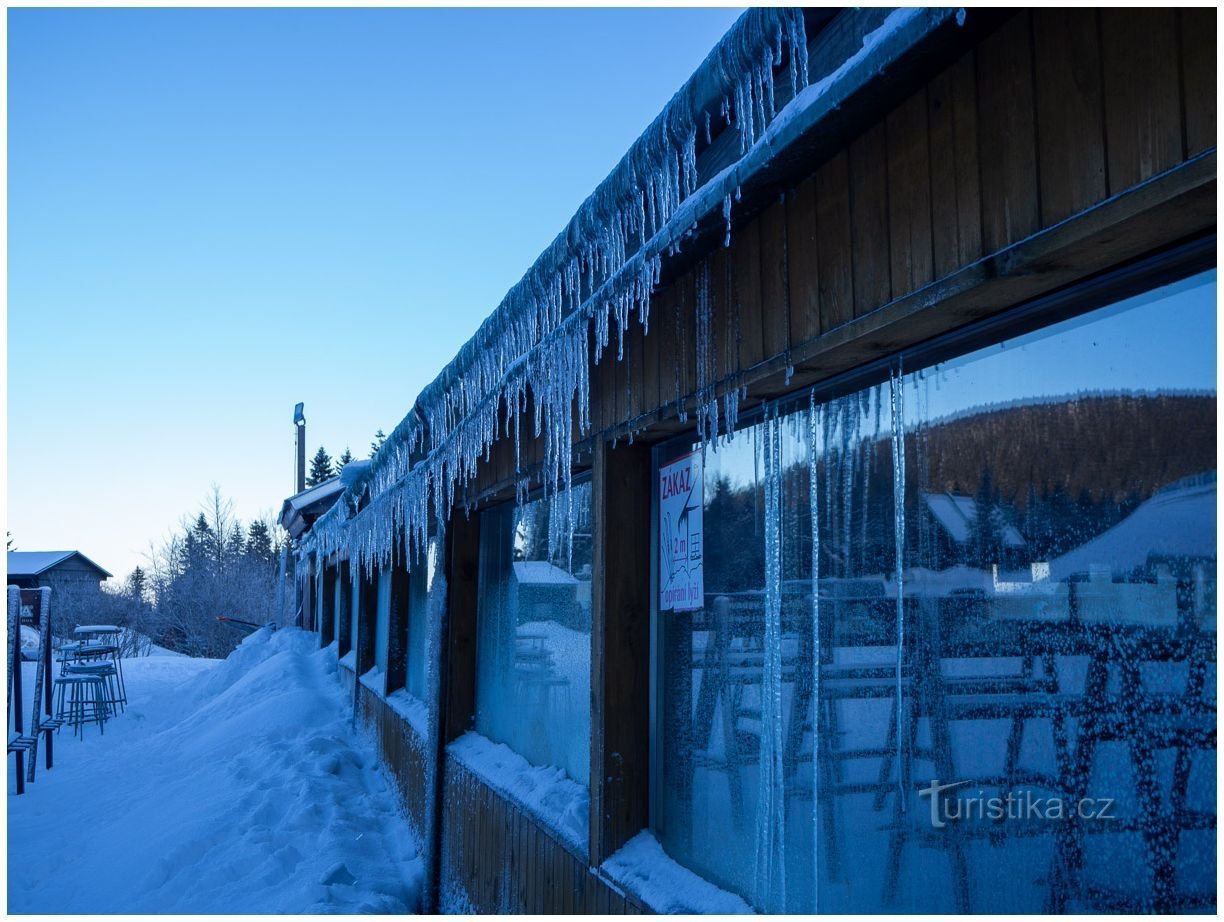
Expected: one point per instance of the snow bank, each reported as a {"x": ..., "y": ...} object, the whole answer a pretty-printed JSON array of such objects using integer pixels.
[
  {"x": 645, "y": 870},
  {"x": 227, "y": 787},
  {"x": 561, "y": 804}
]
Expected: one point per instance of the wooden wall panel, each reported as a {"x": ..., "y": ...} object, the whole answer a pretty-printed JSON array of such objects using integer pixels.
[
  {"x": 909, "y": 196},
  {"x": 1198, "y": 47},
  {"x": 775, "y": 302},
  {"x": 655, "y": 322},
  {"x": 402, "y": 751},
  {"x": 834, "y": 244},
  {"x": 724, "y": 320},
  {"x": 744, "y": 260},
  {"x": 1007, "y": 142},
  {"x": 1070, "y": 111},
  {"x": 1142, "y": 102},
  {"x": 956, "y": 208},
  {"x": 500, "y": 856},
  {"x": 802, "y": 276},
  {"x": 869, "y": 237}
]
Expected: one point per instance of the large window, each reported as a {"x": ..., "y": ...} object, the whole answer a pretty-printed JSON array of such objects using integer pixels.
[
  {"x": 421, "y": 583},
  {"x": 533, "y": 654},
  {"x": 956, "y": 650}
]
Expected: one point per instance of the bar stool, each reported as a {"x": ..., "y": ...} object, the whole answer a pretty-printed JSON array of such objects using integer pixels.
[
  {"x": 106, "y": 635},
  {"x": 94, "y": 654},
  {"x": 82, "y": 699}
]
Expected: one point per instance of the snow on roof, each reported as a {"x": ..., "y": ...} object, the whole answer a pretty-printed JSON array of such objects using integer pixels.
[
  {"x": 598, "y": 274},
  {"x": 1178, "y": 522},
  {"x": 314, "y": 494},
  {"x": 537, "y": 572},
  {"x": 958, "y": 513},
  {"x": 33, "y": 563}
]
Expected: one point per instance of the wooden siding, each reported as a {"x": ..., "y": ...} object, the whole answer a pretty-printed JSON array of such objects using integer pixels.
[
  {"x": 1050, "y": 115},
  {"x": 403, "y": 751},
  {"x": 1061, "y": 144},
  {"x": 497, "y": 858}
]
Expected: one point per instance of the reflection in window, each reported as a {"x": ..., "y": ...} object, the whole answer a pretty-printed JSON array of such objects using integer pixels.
[
  {"x": 1046, "y": 646},
  {"x": 533, "y": 654},
  {"x": 420, "y": 588}
]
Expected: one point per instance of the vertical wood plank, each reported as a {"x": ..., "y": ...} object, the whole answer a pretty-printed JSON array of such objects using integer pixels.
[
  {"x": 686, "y": 333},
  {"x": 1142, "y": 99},
  {"x": 963, "y": 86},
  {"x": 869, "y": 191},
  {"x": 655, "y": 322},
  {"x": 1070, "y": 111},
  {"x": 460, "y": 674},
  {"x": 801, "y": 262},
  {"x": 745, "y": 275},
  {"x": 909, "y": 195},
  {"x": 1198, "y": 41},
  {"x": 775, "y": 305},
  {"x": 833, "y": 244},
  {"x": 1007, "y": 135},
  {"x": 724, "y": 343},
  {"x": 620, "y": 646}
]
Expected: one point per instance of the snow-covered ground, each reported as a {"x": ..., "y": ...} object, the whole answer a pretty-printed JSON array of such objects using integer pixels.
[{"x": 234, "y": 786}]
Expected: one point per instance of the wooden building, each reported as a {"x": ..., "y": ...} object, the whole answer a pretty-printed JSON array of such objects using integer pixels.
[
  {"x": 895, "y": 254},
  {"x": 65, "y": 572}
]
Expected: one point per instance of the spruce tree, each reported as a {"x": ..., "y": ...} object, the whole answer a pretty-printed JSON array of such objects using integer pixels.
[
  {"x": 343, "y": 460},
  {"x": 259, "y": 542},
  {"x": 380, "y": 437},
  {"x": 136, "y": 585},
  {"x": 320, "y": 468}
]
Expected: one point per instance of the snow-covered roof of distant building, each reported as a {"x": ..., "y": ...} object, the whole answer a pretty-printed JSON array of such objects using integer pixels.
[
  {"x": 301, "y": 509},
  {"x": 537, "y": 572},
  {"x": 957, "y": 515},
  {"x": 1179, "y": 521},
  {"x": 35, "y": 563}
]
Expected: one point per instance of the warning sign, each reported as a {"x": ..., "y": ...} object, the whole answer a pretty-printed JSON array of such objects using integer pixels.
[{"x": 681, "y": 562}]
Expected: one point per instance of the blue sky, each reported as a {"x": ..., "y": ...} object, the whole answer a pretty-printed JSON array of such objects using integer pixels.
[{"x": 214, "y": 214}]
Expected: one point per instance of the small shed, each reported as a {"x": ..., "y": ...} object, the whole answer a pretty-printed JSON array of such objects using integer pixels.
[{"x": 69, "y": 574}]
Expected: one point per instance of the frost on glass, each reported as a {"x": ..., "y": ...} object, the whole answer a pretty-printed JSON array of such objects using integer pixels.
[
  {"x": 1000, "y": 697},
  {"x": 533, "y": 652},
  {"x": 420, "y": 584},
  {"x": 738, "y": 688}
]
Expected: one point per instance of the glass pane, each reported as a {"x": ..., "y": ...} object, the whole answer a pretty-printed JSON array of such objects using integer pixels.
[
  {"x": 533, "y": 652},
  {"x": 1060, "y": 583},
  {"x": 420, "y": 583},
  {"x": 1019, "y": 718}
]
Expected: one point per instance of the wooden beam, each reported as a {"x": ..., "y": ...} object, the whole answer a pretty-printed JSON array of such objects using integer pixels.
[
  {"x": 397, "y": 617},
  {"x": 460, "y": 687},
  {"x": 327, "y": 606},
  {"x": 367, "y": 622},
  {"x": 344, "y": 617},
  {"x": 620, "y": 646}
]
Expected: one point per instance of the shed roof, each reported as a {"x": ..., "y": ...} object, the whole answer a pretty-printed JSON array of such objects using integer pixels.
[
  {"x": 35, "y": 563},
  {"x": 541, "y": 572}
]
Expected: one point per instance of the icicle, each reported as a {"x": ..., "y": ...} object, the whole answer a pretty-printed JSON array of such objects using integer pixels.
[
  {"x": 896, "y": 383},
  {"x": 727, "y": 219},
  {"x": 771, "y": 797},
  {"x": 537, "y": 337},
  {"x": 814, "y": 513}
]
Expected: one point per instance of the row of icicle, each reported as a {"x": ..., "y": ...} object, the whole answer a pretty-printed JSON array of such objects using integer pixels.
[{"x": 534, "y": 349}]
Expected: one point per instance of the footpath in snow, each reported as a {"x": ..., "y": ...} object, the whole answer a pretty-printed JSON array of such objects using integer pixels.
[{"x": 232, "y": 786}]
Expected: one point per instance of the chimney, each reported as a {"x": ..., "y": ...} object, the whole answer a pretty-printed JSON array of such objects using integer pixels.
[{"x": 299, "y": 422}]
